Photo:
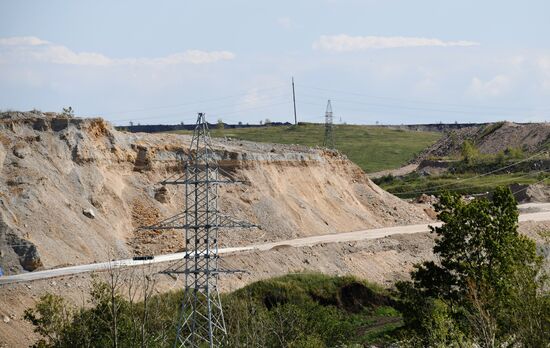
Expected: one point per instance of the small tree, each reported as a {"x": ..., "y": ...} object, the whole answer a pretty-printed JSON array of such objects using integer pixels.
[
  {"x": 489, "y": 277},
  {"x": 50, "y": 317},
  {"x": 220, "y": 124},
  {"x": 68, "y": 112},
  {"x": 514, "y": 152},
  {"x": 469, "y": 152}
]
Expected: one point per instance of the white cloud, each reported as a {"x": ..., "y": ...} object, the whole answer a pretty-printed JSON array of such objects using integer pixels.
[
  {"x": 262, "y": 98},
  {"x": 428, "y": 84},
  {"x": 544, "y": 66},
  {"x": 284, "y": 22},
  {"x": 35, "y": 49},
  {"x": 189, "y": 56},
  {"x": 346, "y": 43},
  {"x": 62, "y": 55},
  {"x": 494, "y": 87},
  {"x": 252, "y": 99},
  {"x": 22, "y": 41}
]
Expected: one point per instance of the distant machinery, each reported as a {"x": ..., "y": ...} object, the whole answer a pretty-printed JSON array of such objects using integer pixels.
[
  {"x": 329, "y": 134},
  {"x": 201, "y": 322}
]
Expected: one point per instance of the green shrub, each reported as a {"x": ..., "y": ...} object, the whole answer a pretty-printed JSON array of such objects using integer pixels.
[
  {"x": 297, "y": 310},
  {"x": 469, "y": 152},
  {"x": 514, "y": 152},
  {"x": 489, "y": 287}
]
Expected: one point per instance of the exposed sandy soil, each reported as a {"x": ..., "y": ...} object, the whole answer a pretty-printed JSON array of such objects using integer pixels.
[
  {"x": 409, "y": 168},
  {"x": 54, "y": 170},
  {"x": 540, "y": 233},
  {"x": 537, "y": 193}
]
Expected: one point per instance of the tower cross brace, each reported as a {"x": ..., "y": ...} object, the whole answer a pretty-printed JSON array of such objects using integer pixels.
[
  {"x": 328, "y": 142},
  {"x": 201, "y": 321}
]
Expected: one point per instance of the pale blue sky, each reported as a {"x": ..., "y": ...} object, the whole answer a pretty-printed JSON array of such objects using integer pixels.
[{"x": 392, "y": 61}]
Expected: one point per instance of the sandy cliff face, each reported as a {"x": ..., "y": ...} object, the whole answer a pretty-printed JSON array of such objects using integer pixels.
[{"x": 74, "y": 190}]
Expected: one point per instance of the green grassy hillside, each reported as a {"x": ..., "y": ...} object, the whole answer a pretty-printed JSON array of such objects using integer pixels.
[
  {"x": 372, "y": 148},
  {"x": 413, "y": 185}
]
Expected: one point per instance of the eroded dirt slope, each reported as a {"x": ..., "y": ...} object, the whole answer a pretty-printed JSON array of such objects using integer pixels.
[
  {"x": 75, "y": 190},
  {"x": 491, "y": 139}
]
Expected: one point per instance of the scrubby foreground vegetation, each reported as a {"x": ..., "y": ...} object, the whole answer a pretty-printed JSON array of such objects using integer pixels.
[
  {"x": 488, "y": 290},
  {"x": 414, "y": 184},
  {"x": 297, "y": 310}
]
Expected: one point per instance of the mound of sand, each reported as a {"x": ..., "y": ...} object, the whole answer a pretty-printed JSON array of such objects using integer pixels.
[{"x": 76, "y": 189}]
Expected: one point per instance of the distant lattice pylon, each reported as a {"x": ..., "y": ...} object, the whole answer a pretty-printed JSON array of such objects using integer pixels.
[
  {"x": 201, "y": 322},
  {"x": 329, "y": 134}
]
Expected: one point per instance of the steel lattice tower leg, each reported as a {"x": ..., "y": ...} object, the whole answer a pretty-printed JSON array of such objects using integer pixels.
[
  {"x": 202, "y": 316},
  {"x": 329, "y": 136},
  {"x": 201, "y": 321}
]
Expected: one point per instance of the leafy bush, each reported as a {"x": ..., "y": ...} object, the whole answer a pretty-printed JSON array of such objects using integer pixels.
[
  {"x": 469, "y": 152},
  {"x": 297, "y": 310},
  {"x": 386, "y": 179},
  {"x": 68, "y": 112},
  {"x": 514, "y": 152},
  {"x": 489, "y": 286}
]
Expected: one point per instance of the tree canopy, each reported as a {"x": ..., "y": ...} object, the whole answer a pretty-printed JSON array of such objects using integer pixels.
[{"x": 488, "y": 284}]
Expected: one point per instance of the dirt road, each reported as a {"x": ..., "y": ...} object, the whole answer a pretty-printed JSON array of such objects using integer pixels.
[{"x": 298, "y": 242}]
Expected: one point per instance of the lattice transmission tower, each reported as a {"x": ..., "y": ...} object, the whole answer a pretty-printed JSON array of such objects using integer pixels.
[
  {"x": 201, "y": 322},
  {"x": 329, "y": 135}
]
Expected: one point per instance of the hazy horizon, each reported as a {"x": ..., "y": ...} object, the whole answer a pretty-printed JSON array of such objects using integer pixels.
[{"x": 395, "y": 62}]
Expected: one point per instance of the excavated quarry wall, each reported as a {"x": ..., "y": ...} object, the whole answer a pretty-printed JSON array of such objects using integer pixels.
[
  {"x": 75, "y": 190},
  {"x": 491, "y": 138}
]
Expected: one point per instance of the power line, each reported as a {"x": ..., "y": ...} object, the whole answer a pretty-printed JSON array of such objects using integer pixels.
[
  {"x": 220, "y": 109},
  {"x": 525, "y": 188},
  {"x": 413, "y": 108},
  {"x": 419, "y": 101},
  {"x": 190, "y": 102},
  {"x": 235, "y": 104},
  {"x": 253, "y": 108}
]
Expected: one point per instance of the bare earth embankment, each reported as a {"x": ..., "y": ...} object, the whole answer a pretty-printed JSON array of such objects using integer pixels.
[
  {"x": 75, "y": 190},
  {"x": 491, "y": 139}
]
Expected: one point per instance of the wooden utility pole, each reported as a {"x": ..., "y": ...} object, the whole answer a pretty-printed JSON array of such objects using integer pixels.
[{"x": 294, "y": 101}]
